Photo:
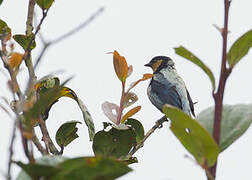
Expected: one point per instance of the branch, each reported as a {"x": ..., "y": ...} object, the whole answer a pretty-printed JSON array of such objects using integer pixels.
[
  {"x": 67, "y": 35},
  {"x": 218, "y": 96},
  {"x": 40, "y": 148},
  {"x": 13, "y": 135},
  {"x": 81, "y": 26},
  {"x": 29, "y": 28},
  {"x": 46, "y": 138},
  {"x": 158, "y": 125}
]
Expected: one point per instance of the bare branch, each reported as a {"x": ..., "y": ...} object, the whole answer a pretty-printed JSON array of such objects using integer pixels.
[
  {"x": 158, "y": 125},
  {"x": 40, "y": 148},
  {"x": 46, "y": 138},
  {"x": 68, "y": 34},
  {"x": 13, "y": 135},
  {"x": 81, "y": 26}
]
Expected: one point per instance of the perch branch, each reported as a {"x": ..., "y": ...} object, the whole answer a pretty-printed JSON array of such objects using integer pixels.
[{"x": 158, "y": 125}]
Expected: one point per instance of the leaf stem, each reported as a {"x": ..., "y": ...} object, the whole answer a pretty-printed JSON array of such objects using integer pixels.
[{"x": 119, "y": 117}]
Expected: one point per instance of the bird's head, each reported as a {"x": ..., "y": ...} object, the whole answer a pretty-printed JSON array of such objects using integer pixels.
[{"x": 159, "y": 62}]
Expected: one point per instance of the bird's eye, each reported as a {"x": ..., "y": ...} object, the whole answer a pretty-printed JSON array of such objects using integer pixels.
[{"x": 171, "y": 63}]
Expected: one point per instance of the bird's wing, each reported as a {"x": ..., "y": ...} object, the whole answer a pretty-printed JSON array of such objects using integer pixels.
[
  {"x": 166, "y": 93},
  {"x": 190, "y": 103}
]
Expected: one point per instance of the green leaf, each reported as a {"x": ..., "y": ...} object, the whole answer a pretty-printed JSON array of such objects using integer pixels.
[
  {"x": 67, "y": 133},
  {"x": 4, "y": 28},
  {"x": 193, "y": 136},
  {"x": 114, "y": 143},
  {"x": 91, "y": 168},
  {"x": 36, "y": 170},
  {"x": 25, "y": 41},
  {"x": 49, "y": 92},
  {"x": 239, "y": 49},
  {"x": 44, "y": 4},
  {"x": 137, "y": 127},
  {"x": 236, "y": 119},
  {"x": 191, "y": 57},
  {"x": 45, "y": 166},
  {"x": 1, "y": 2}
]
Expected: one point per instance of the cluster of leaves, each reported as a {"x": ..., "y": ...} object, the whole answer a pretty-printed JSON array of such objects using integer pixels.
[
  {"x": 235, "y": 119},
  {"x": 125, "y": 132}
]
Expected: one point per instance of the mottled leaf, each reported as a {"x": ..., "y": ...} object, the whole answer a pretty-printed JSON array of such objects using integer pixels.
[
  {"x": 193, "y": 136},
  {"x": 236, "y": 119},
  {"x": 91, "y": 168},
  {"x": 130, "y": 99},
  {"x": 111, "y": 110},
  {"x": 239, "y": 49},
  {"x": 67, "y": 133},
  {"x": 130, "y": 113},
  {"x": 191, "y": 57},
  {"x": 25, "y": 41},
  {"x": 120, "y": 66},
  {"x": 44, "y": 4},
  {"x": 137, "y": 127},
  {"x": 87, "y": 118},
  {"x": 114, "y": 143}
]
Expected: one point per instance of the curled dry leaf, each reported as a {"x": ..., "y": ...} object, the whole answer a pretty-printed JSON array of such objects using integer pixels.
[
  {"x": 108, "y": 109},
  {"x": 130, "y": 113},
  {"x": 120, "y": 66},
  {"x": 130, "y": 99},
  {"x": 130, "y": 70},
  {"x": 15, "y": 60}
]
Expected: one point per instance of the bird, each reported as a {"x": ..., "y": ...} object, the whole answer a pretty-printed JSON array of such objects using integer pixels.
[{"x": 167, "y": 87}]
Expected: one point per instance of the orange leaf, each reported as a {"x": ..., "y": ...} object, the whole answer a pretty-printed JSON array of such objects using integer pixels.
[
  {"x": 15, "y": 60},
  {"x": 147, "y": 76},
  {"x": 120, "y": 66},
  {"x": 130, "y": 113}
]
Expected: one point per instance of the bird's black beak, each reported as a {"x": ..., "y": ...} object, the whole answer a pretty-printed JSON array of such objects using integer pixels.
[{"x": 148, "y": 65}]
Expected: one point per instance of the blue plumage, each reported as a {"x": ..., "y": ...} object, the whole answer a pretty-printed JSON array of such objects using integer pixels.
[{"x": 167, "y": 87}]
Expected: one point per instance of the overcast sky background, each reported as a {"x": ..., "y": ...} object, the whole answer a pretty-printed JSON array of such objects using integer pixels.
[{"x": 138, "y": 30}]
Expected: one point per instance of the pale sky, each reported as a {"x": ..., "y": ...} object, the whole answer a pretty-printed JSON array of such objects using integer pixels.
[{"x": 138, "y": 30}]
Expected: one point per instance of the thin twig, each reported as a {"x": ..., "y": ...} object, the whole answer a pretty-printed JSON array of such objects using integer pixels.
[
  {"x": 13, "y": 135},
  {"x": 46, "y": 138},
  {"x": 81, "y": 26},
  {"x": 66, "y": 35},
  {"x": 157, "y": 125},
  {"x": 37, "y": 143}
]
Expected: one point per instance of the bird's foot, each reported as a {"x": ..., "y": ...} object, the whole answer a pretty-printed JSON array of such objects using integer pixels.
[{"x": 159, "y": 123}]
